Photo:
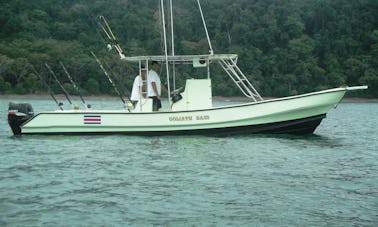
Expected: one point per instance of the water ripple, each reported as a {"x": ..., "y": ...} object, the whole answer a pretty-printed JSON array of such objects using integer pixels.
[{"x": 326, "y": 179}]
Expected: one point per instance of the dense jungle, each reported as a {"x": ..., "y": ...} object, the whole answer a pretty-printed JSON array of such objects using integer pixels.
[{"x": 285, "y": 47}]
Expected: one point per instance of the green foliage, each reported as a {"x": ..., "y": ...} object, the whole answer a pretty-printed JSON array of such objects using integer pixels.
[
  {"x": 285, "y": 47},
  {"x": 92, "y": 86},
  {"x": 31, "y": 83},
  {"x": 2, "y": 86}
]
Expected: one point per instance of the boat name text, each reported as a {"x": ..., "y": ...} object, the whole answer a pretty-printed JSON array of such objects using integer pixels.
[{"x": 190, "y": 118}]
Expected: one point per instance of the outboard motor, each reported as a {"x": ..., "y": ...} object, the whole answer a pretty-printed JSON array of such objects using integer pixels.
[{"x": 18, "y": 113}]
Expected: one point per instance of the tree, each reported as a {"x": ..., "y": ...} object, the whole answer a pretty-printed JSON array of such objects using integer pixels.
[
  {"x": 285, "y": 47},
  {"x": 92, "y": 86}
]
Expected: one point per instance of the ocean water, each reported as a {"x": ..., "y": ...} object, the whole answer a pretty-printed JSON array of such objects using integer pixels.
[{"x": 326, "y": 179}]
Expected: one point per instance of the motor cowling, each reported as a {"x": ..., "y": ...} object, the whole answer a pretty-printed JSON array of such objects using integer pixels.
[{"x": 18, "y": 113}]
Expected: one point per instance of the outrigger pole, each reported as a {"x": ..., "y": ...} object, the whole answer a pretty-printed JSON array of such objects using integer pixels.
[
  {"x": 110, "y": 79},
  {"x": 204, "y": 25},
  {"x": 173, "y": 46},
  {"x": 59, "y": 104},
  {"x": 74, "y": 85},
  {"x": 61, "y": 86},
  {"x": 165, "y": 48}
]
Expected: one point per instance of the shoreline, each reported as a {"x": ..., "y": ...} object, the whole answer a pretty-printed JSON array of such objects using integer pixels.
[{"x": 216, "y": 98}]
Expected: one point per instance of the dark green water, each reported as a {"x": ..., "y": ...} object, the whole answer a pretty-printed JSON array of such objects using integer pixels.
[{"x": 326, "y": 179}]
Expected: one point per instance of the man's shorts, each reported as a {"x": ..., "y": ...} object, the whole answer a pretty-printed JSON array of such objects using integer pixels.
[{"x": 156, "y": 103}]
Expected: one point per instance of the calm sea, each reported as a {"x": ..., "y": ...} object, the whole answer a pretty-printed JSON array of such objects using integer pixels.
[{"x": 326, "y": 179}]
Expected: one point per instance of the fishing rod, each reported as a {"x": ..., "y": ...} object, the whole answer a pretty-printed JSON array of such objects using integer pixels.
[
  {"x": 109, "y": 78},
  {"x": 74, "y": 85},
  {"x": 104, "y": 25},
  {"x": 61, "y": 86},
  {"x": 119, "y": 81},
  {"x": 59, "y": 104}
]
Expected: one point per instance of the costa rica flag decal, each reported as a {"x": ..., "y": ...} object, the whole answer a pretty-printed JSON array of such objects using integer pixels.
[{"x": 92, "y": 119}]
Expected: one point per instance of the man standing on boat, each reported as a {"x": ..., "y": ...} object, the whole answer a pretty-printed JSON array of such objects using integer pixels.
[
  {"x": 137, "y": 91},
  {"x": 154, "y": 86}
]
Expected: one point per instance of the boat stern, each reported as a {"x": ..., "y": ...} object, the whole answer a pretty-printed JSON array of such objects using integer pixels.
[{"x": 19, "y": 113}]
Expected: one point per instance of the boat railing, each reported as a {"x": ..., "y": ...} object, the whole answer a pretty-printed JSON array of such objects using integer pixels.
[{"x": 238, "y": 77}]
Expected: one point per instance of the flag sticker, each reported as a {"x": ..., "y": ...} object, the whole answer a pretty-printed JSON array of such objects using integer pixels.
[{"x": 92, "y": 119}]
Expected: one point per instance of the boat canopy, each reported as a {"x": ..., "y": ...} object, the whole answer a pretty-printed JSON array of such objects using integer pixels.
[{"x": 183, "y": 58}]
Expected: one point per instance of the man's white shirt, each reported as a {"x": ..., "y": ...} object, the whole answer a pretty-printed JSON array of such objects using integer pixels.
[
  {"x": 135, "y": 92},
  {"x": 153, "y": 77}
]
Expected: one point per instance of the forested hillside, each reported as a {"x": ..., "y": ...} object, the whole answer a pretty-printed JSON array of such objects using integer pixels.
[{"x": 285, "y": 47}]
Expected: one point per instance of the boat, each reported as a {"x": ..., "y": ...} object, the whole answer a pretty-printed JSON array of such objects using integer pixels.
[{"x": 191, "y": 110}]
